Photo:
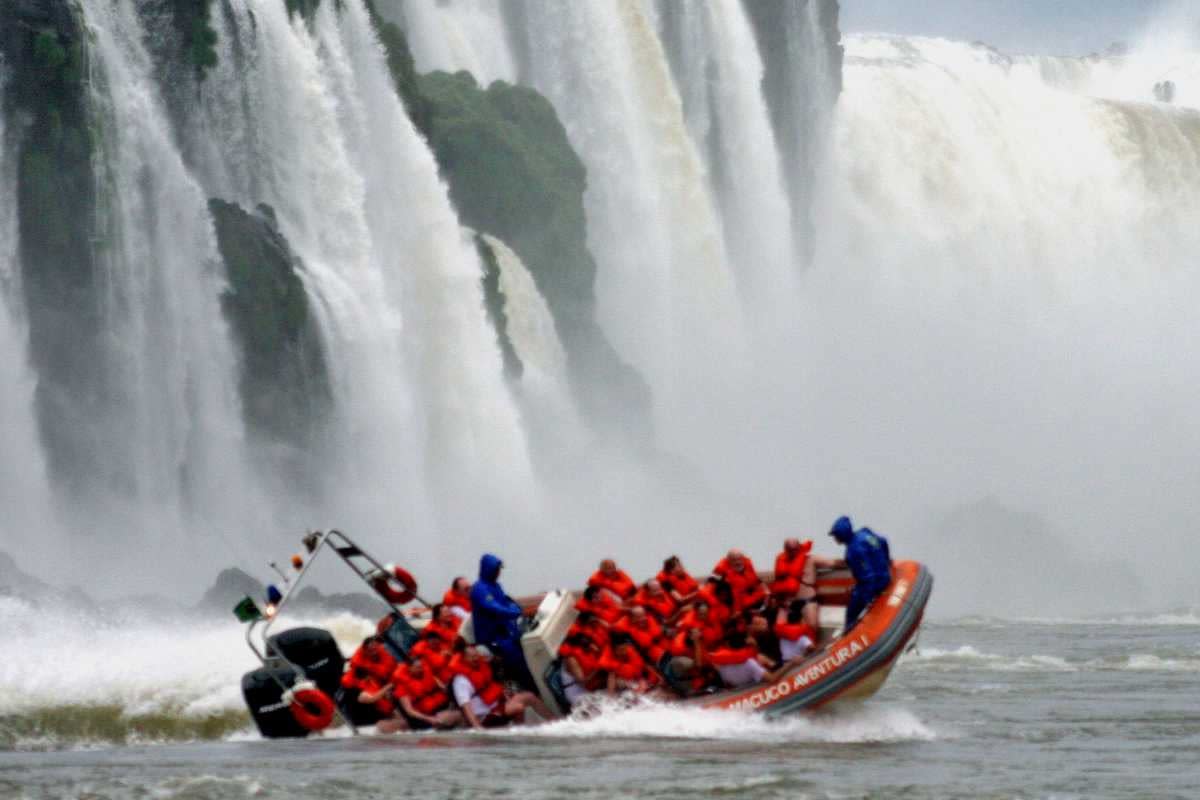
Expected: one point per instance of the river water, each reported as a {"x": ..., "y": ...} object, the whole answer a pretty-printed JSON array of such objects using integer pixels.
[{"x": 985, "y": 708}]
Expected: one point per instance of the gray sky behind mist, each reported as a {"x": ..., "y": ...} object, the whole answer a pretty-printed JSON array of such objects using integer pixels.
[{"x": 1046, "y": 27}]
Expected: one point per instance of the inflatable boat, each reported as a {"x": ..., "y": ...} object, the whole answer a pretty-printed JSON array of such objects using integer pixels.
[{"x": 301, "y": 686}]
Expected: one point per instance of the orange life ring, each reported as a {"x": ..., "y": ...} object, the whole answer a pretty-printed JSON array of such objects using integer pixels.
[
  {"x": 311, "y": 707},
  {"x": 386, "y": 585}
]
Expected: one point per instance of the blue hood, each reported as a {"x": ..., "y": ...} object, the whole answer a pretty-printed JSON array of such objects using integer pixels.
[
  {"x": 489, "y": 567},
  {"x": 842, "y": 529}
]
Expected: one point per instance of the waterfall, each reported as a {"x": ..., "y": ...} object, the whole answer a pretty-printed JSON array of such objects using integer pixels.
[
  {"x": 24, "y": 491},
  {"x": 665, "y": 294},
  {"x": 530, "y": 327},
  {"x": 172, "y": 442},
  {"x": 422, "y": 415},
  {"x": 463, "y": 34},
  {"x": 998, "y": 308},
  {"x": 719, "y": 72}
]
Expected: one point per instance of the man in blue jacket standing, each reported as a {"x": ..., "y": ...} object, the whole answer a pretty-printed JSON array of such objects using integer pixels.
[
  {"x": 494, "y": 618},
  {"x": 870, "y": 561}
]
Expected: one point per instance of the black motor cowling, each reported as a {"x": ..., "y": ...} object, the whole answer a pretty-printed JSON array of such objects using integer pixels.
[{"x": 317, "y": 655}]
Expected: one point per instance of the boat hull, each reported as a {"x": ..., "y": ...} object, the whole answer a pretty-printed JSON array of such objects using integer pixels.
[{"x": 851, "y": 667}]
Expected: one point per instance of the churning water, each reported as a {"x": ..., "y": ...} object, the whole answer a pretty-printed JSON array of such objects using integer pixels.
[{"x": 1096, "y": 707}]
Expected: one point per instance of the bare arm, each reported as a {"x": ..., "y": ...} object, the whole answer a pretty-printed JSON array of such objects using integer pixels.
[{"x": 411, "y": 710}]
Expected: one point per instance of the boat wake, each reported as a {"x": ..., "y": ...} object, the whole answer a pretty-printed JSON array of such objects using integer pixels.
[
  {"x": 99, "y": 679},
  {"x": 652, "y": 720}
]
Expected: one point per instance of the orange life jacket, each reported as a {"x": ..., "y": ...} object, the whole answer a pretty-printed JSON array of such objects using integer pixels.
[
  {"x": 605, "y": 608},
  {"x": 629, "y": 668},
  {"x": 373, "y": 659},
  {"x": 447, "y": 633},
  {"x": 682, "y": 585},
  {"x": 747, "y": 589},
  {"x": 789, "y": 570},
  {"x": 481, "y": 678},
  {"x": 436, "y": 656},
  {"x": 725, "y": 656},
  {"x": 618, "y": 583},
  {"x": 662, "y": 605},
  {"x": 424, "y": 693},
  {"x": 717, "y": 610},
  {"x": 648, "y": 638},
  {"x": 453, "y": 598},
  {"x": 597, "y": 632},
  {"x": 589, "y": 660},
  {"x": 710, "y": 629},
  {"x": 794, "y": 630},
  {"x": 383, "y": 705}
]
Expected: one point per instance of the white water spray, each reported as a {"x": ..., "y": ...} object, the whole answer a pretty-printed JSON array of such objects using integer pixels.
[
  {"x": 458, "y": 35},
  {"x": 176, "y": 440}
]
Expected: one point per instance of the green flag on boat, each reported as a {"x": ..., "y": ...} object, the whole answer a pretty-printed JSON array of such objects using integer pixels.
[{"x": 246, "y": 610}]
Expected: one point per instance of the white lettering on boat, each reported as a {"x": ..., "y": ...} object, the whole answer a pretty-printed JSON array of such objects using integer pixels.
[
  {"x": 778, "y": 691},
  {"x": 898, "y": 593}
]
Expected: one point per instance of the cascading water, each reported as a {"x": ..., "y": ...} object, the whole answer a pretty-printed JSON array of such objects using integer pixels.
[
  {"x": 24, "y": 491},
  {"x": 719, "y": 72},
  {"x": 999, "y": 305},
  {"x": 465, "y": 34},
  {"x": 173, "y": 443},
  {"x": 530, "y": 327},
  {"x": 665, "y": 293},
  {"x": 416, "y": 367}
]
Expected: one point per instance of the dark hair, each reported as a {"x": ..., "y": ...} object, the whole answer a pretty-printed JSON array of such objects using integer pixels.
[
  {"x": 619, "y": 639},
  {"x": 585, "y": 618},
  {"x": 670, "y": 563},
  {"x": 460, "y": 645},
  {"x": 590, "y": 592},
  {"x": 796, "y": 610}
]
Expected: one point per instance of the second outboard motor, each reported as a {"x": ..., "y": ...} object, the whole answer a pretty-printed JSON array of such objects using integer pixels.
[{"x": 316, "y": 653}]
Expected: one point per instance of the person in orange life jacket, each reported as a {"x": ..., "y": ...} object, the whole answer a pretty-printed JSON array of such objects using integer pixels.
[
  {"x": 481, "y": 697},
  {"x": 627, "y": 670},
  {"x": 421, "y": 700},
  {"x": 738, "y": 570},
  {"x": 437, "y": 654},
  {"x": 444, "y": 624},
  {"x": 676, "y": 581},
  {"x": 458, "y": 598},
  {"x": 869, "y": 559},
  {"x": 738, "y": 661},
  {"x": 581, "y": 658},
  {"x": 645, "y": 631},
  {"x": 760, "y": 630},
  {"x": 699, "y": 618},
  {"x": 796, "y": 576},
  {"x": 654, "y": 599},
  {"x": 589, "y": 625},
  {"x": 601, "y": 603},
  {"x": 719, "y": 596},
  {"x": 796, "y": 637},
  {"x": 611, "y": 579}
]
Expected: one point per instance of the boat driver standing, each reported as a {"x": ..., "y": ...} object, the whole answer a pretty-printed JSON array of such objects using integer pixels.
[
  {"x": 494, "y": 618},
  {"x": 870, "y": 561}
]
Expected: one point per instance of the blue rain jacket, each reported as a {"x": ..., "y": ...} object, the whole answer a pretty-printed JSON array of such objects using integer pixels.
[
  {"x": 493, "y": 613},
  {"x": 868, "y": 557}
]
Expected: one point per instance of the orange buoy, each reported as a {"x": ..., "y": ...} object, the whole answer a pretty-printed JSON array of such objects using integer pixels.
[
  {"x": 310, "y": 707},
  {"x": 397, "y": 586}
]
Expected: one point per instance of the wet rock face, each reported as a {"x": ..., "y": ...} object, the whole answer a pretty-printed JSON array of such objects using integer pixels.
[
  {"x": 284, "y": 383},
  {"x": 42, "y": 49}
]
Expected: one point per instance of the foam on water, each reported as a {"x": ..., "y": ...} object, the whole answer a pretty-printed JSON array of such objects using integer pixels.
[
  {"x": 966, "y": 655},
  {"x": 657, "y": 720},
  {"x": 125, "y": 676}
]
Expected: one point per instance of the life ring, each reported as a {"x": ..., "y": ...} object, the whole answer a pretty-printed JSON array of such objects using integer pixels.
[
  {"x": 310, "y": 707},
  {"x": 397, "y": 585}
]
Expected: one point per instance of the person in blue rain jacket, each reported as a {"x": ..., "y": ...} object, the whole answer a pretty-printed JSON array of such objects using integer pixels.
[
  {"x": 869, "y": 560},
  {"x": 494, "y": 619}
]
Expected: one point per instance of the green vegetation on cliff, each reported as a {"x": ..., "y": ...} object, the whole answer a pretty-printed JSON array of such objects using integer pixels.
[
  {"x": 512, "y": 173},
  {"x": 42, "y": 49},
  {"x": 284, "y": 385},
  {"x": 493, "y": 302},
  {"x": 193, "y": 21}
]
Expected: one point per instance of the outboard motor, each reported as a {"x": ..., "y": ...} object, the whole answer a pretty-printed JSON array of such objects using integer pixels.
[{"x": 317, "y": 655}]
